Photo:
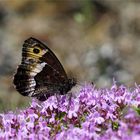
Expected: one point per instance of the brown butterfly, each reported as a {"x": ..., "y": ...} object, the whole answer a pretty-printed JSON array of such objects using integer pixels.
[{"x": 40, "y": 73}]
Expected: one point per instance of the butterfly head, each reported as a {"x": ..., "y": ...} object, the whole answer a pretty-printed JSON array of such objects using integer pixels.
[
  {"x": 68, "y": 85},
  {"x": 72, "y": 82}
]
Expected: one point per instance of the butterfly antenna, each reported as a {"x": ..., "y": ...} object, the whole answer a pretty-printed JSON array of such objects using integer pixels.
[{"x": 79, "y": 83}]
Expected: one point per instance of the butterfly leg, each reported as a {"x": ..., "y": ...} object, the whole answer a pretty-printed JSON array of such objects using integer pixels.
[
  {"x": 58, "y": 101},
  {"x": 69, "y": 102}
]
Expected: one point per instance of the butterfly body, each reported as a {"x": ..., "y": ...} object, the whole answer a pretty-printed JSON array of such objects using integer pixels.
[{"x": 40, "y": 73}]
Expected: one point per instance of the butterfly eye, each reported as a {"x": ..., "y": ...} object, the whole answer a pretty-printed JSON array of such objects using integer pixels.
[{"x": 36, "y": 50}]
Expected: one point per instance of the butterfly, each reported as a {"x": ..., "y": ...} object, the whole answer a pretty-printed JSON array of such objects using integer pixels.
[{"x": 40, "y": 73}]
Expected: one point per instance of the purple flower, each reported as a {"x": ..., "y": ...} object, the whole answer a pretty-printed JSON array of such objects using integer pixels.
[
  {"x": 51, "y": 103},
  {"x": 73, "y": 110},
  {"x": 99, "y": 114}
]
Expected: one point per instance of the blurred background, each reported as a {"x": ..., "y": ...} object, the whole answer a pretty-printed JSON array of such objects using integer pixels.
[{"x": 95, "y": 40}]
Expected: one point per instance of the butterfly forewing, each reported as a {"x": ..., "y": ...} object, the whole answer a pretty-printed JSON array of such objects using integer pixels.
[{"x": 40, "y": 73}]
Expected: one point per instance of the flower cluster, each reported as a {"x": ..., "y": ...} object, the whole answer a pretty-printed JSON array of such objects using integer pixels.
[{"x": 99, "y": 114}]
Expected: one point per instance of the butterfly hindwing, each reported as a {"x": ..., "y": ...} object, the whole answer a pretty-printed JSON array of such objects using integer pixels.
[{"x": 40, "y": 73}]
